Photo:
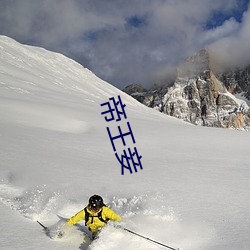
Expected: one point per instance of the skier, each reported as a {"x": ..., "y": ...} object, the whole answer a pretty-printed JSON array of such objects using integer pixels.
[{"x": 95, "y": 214}]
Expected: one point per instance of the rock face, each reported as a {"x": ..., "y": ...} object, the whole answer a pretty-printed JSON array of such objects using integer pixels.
[
  {"x": 201, "y": 97},
  {"x": 237, "y": 81},
  {"x": 136, "y": 90}
]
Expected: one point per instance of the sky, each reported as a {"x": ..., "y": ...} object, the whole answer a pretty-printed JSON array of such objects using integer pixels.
[{"x": 132, "y": 41}]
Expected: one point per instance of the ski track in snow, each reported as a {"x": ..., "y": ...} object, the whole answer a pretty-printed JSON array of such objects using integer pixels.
[{"x": 144, "y": 214}]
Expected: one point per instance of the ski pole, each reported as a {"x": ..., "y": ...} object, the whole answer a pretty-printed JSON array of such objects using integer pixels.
[
  {"x": 150, "y": 239},
  {"x": 45, "y": 228}
]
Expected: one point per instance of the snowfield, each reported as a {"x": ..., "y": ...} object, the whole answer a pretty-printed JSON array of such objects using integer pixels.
[{"x": 192, "y": 193}]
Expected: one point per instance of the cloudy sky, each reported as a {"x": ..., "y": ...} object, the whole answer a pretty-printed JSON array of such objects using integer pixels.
[{"x": 131, "y": 41}]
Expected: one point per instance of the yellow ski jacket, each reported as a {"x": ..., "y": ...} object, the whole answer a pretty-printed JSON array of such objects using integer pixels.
[{"x": 94, "y": 223}]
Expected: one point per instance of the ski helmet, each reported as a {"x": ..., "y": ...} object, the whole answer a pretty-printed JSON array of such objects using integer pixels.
[{"x": 95, "y": 202}]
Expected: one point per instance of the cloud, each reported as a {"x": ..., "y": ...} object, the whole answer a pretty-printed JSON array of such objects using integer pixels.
[
  {"x": 233, "y": 49},
  {"x": 228, "y": 28},
  {"x": 121, "y": 41}
]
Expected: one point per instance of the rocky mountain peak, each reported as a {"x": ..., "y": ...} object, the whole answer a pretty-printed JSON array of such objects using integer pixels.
[
  {"x": 196, "y": 64},
  {"x": 200, "y": 96}
]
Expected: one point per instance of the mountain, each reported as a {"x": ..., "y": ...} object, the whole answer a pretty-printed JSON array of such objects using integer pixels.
[
  {"x": 192, "y": 192},
  {"x": 202, "y": 97}
]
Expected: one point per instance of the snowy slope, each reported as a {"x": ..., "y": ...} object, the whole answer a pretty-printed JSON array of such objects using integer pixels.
[{"x": 193, "y": 191}]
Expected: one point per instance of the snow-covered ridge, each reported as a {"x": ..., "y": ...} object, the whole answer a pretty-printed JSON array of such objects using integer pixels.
[
  {"x": 35, "y": 67},
  {"x": 33, "y": 74}
]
